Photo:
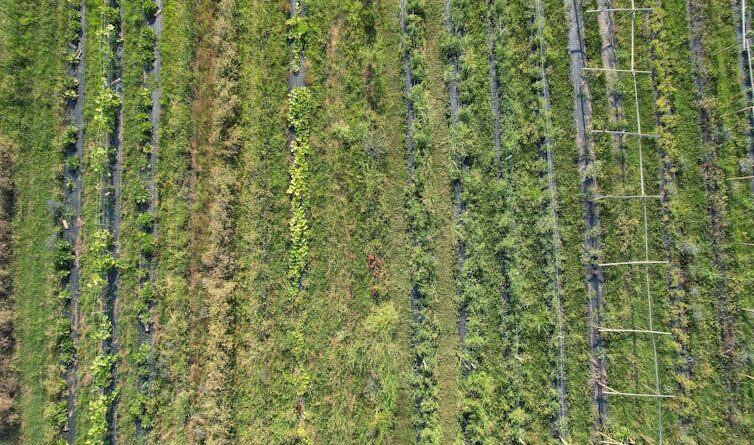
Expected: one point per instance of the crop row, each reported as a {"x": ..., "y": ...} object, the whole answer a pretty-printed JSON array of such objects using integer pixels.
[
  {"x": 137, "y": 401},
  {"x": 300, "y": 110},
  {"x": 96, "y": 359},
  {"x": 327, "y": 292},
  {"x": 60, "y": 382},
  {"x": 419, "y": 224},
  {"x": 684, "y": 297}
]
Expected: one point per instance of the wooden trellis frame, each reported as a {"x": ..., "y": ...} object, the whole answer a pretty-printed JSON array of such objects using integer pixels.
[{"x": 645, "y": 261}]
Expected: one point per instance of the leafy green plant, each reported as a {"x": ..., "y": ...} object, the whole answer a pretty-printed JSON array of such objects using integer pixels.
[
  {"x": 146, "y": 220},
  {"x": 141, "y": 195},
  {"x": 102, "y": 370},
  {"x": 146, "y": 46},
  {"x": 63, "y": 257},
  {"x": 98, "y": 427},
  {"x": 99, "y": 159}
]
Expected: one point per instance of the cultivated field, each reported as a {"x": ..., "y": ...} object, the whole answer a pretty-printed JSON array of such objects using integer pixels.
[{"x": 422, "y": 222}]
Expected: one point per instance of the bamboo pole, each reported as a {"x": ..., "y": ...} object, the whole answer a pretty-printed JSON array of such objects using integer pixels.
[
  {"x": 640, "y": 331},
  {"x": 736, "y": 178},
  {"x": 616, "y": 70},
  {"x": 627, "y": 133},
  {"x": 599, "y": 198},
  {"x": 638, "y": 394},
  {"x": 620, "y": 10},
  {"x": 632, "y": 263}
]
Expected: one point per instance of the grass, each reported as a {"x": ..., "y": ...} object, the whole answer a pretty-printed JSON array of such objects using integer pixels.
[
  {"x": 32, "y": 120},
  {"x": 173, "y": 347}
]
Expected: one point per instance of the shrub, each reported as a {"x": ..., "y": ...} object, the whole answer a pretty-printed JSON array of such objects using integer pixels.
[
  {"x": 99, "y": 159},
  {"x": 146, "y": 220},
  {"x": 72, "y": 162},
  {"x": 102, "y": 370},
  {"x": 146, "y": 46},
  {"x": 141, "y": 195},
  {"x": 63, "y": 256},
  {"x": 69, "y": 137},
  {"x": 146, "y": 244}
]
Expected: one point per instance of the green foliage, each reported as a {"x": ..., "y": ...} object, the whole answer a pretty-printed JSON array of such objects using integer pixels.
[
  {"x": 63, "y": 257},
  {"x": 298, "y": 29},
  {"x": 99, "y": 256},
  {"x": 299, "y": 106},
  {"x": 70, "y": 88},
  {"x": 147, "y": 244},
  {"x": 146, "y": 220},
  {"x": 106, "y": 103},
  {"x": 141, "y": 195},
  {"x": 99, "y": 159},
  {"x": 69, "y": 137},
  {"x": 101, "y": 370},
  {"x": 421, "y": 260},
  {"x": 96, "y": 434},
  {"x": 146, "y": 45},
  {"x": 299, "y": 118},
  {"x": 276, "y": 285},
  {"x": 73, "y": 163}
]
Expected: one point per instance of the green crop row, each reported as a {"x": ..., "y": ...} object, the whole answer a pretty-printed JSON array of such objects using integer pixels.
[
  {"x": 728, "y": 156},
  {"x": 299, "y": 115},
  {"x": 470, "y": 150},
  {"x": 421, "y": 259},
  {"x": 507, "y": 280},
  {"x": 97, "y": 390},
  {"x": 56, "y": 385},
  {"x": 530, "y": 313},
  {"x": 137, "y": 402},
  {"x": 33, "y": 52},
  {"x": 691, "y": 296},
  {"x": 300, "y": 110}
]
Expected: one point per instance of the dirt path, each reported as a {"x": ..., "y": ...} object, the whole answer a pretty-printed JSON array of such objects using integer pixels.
[
  {"x": 72, "y": 202},
  {"x": 583, "y": 117}
]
